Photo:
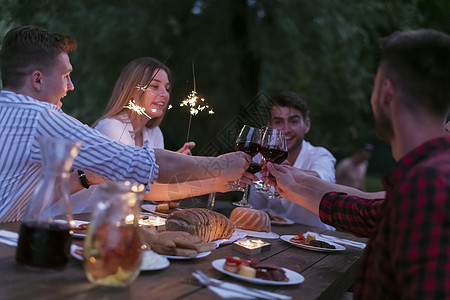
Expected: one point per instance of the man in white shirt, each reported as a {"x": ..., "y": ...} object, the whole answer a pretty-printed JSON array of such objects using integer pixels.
[{"x": 290, "y": 112}]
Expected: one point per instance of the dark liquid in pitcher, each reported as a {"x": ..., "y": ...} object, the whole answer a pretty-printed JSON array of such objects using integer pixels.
[{"x": 43, "y": 246}]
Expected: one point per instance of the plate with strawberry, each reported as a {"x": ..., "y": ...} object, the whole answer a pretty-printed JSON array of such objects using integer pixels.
[{"x": 256, "y": 272}]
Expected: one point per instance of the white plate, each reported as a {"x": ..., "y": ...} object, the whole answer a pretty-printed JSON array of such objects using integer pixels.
[
  {"x": 285, "y": 222},
  {"x": 78, "y": 223},
  {"x": 151, "y": 261},
  {"x": 152, "y": 208},
  {"x": 200, "y": 255},
  {"x": 287, "y": 238},
  {"x": 259, "y": 234},
  {"x": 293, "y": 277}
]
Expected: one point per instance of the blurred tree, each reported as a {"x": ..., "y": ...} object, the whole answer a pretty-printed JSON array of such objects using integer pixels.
[{"x": 324, "y": 49}]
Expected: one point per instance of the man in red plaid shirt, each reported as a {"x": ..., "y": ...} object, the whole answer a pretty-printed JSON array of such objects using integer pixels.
[{"x": 408, "y": 253}]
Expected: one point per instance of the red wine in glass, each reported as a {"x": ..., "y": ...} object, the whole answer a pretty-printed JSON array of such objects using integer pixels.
[
  {"x": 281, "y": 158},
  {"x": 274, "y": 149},
  {"x": 248, "y": 141},
  {"x": 254, "y": 168},
  {"x": 274, "y": 155},
  {"x": 249, "y": 147}
]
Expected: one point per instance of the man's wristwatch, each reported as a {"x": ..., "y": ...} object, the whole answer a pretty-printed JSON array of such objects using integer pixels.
[{"x": 83, "y": 179}]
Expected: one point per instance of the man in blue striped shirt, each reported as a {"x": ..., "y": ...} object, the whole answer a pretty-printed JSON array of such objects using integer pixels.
[{"x": 35, "y": 69}]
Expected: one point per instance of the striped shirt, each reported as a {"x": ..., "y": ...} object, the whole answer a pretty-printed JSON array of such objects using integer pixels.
[
  {"x": 408, "y": 254},
  {"x": 24, "y": 119}
]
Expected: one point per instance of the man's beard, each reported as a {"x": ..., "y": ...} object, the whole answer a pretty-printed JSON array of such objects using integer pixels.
[{"x": 383, "y": 126}]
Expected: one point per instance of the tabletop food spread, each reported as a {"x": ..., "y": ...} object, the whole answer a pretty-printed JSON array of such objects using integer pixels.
[{"x": 194, "y": 234}]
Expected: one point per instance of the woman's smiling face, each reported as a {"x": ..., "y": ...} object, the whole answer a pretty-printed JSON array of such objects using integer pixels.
[{"x": 156, "y": 97}]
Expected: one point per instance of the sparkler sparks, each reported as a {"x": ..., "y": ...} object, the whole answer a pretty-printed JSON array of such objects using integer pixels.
[
  {"x": 132, "y": 103},
  {"x": 138, "y": 109},
  {"x": 195, "y": 104},
  {"x": 142, "y": 88}
]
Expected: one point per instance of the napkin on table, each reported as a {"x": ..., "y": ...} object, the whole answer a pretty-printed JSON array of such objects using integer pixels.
[
  {"x": 337, "y": 240},
  {"x": 228, "y": 294},
  {"x": 237, "y": 236}
]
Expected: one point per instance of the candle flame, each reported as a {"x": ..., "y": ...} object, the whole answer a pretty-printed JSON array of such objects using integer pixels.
[
  {"x": 257, "y": 242},
  {"x": 129, "y": 219},
  {"x": 247, "y": 243}
]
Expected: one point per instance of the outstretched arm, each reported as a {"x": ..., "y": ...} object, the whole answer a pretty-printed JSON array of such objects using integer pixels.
[
  {"x": 176, "y": 167},
  {"x": 300, "y": 187},
  {"x": 174, "y": 191}
]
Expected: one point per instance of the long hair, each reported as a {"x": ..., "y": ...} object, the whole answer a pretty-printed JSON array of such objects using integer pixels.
[{"x": 137, "y": 72}]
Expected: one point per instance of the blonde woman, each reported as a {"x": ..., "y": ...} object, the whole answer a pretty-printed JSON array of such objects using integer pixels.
[{"x": 146, "y": 82}]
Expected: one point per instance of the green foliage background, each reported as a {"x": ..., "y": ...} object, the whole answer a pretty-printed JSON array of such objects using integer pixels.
[{"x": 325, "y": 49}]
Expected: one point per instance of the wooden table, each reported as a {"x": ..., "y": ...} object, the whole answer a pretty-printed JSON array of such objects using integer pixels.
[{"x": 327, "y": 275}]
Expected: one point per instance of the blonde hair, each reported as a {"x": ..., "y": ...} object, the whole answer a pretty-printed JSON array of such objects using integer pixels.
[{"x": 137, "y": 72}]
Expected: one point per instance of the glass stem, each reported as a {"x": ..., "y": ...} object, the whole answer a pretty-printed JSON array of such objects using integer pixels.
[{"x": 244, "y": 196}]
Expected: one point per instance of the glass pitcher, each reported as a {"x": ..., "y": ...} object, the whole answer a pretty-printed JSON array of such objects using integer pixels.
[
  {"x": 113, "y": 245},
  {"x": 45, "y": 230}
]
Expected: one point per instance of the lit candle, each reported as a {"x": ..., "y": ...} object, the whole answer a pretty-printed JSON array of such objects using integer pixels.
[
  {"x": 251, "y": 246},
  {"x": 257, "y": 242}
]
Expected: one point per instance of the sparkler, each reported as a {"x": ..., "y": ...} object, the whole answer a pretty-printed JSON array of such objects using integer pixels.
[
  {"x": 194, "y": 104},
  {"x": 138, "y": 109}
]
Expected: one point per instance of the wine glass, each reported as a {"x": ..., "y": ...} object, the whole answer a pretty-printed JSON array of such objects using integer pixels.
[
  {"x": 249, "y": 141},
  {"x": 274, "y": 149}
]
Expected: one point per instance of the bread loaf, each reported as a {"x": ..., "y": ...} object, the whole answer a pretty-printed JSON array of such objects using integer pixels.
[
  {"x": 204, "y": 223},
  {"x": 179, "y": 243},
  {"x": 250, "y": 219}
]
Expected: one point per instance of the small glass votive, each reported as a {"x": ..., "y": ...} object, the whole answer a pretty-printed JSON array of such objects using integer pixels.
[
  {"x": 251, "y": 246},
  {"x": 152, "y": 221}
]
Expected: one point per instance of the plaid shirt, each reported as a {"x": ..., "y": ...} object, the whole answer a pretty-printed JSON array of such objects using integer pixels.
[{"x": 408, "y": 254}]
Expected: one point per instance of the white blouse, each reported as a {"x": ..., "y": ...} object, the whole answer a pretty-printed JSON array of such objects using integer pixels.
[{"x": 118, "y": 129}]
